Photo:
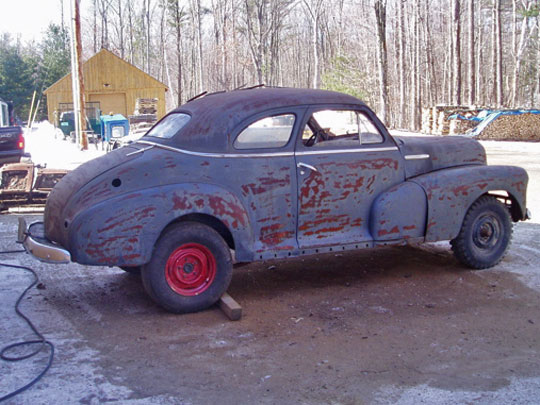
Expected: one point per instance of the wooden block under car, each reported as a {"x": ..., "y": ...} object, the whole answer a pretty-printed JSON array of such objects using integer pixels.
[{"x": 230, "y": 307}]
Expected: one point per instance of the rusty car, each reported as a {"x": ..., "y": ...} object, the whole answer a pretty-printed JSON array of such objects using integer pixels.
[{"x": 269, "y": 173}]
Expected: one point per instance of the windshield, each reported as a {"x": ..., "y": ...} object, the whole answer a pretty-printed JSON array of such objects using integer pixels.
[{"x": 169, "y": 126}]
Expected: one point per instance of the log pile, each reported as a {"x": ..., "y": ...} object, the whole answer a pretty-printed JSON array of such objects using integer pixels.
[
  {"x": 522, "y": 127},
  {"x": 460, "y": 126},
  {"x": 144, "y": 117},
  {"x": 435, "y": 120},
  {"x": 145, "y": 106}
]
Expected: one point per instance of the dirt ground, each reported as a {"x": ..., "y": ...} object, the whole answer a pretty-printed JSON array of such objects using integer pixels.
[{"x": 404, "y": 325}]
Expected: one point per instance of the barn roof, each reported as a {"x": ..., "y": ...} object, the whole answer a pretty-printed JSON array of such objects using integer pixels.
[{"x": 136, "y": 78}]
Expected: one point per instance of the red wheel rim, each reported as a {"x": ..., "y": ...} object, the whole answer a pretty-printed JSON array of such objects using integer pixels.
[{"x": 190, "y": 269}]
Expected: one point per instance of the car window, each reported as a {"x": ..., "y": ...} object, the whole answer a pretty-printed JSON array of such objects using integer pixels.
[
  {"x": 169, "y": 126},
  {"x": 268, "y": 132},
  {"x": 338, "y": 128},
  {"x": 368, "y": 131}
]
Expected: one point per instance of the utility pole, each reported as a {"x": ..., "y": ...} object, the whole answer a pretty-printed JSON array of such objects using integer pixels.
[{"x": 77, "y": 76}]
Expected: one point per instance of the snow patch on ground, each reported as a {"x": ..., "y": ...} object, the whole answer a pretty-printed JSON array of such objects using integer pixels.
[
  {"x": 46, "y": 145},
  {"x": 519, "y": 391}
]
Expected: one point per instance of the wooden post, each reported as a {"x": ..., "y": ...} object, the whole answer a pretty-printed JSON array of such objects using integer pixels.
[
  {"x": 75, "y": 72},
  {"x": 78, "y": 49},
  {"x": 30, "y": 112}
]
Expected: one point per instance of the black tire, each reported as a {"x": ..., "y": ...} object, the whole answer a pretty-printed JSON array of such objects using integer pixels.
[
  {"x": 134, "y": 270},
  {"x": 190, "y": 268},
  {"x": 485, "y": 234}
]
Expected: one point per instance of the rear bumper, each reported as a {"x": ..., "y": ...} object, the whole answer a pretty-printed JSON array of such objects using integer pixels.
[
  {"x": 34, "y": 241},
  {"x": 11, "y": 156}
]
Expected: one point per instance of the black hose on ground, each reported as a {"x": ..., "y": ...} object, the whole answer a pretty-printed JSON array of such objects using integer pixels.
[{"x": 41, "y": 342}]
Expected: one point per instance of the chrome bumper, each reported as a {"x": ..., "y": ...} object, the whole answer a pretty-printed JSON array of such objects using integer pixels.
[{"x": 34, "y": 242}]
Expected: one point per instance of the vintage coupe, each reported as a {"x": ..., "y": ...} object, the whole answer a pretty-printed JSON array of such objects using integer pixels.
[{"x": 270, "y": 173}]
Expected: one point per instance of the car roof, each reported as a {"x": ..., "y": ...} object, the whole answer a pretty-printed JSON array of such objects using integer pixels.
[{"x": 214, "y": 116}]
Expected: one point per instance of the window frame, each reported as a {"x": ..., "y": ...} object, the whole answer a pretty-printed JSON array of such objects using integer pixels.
[
  {"x": 297, "y": 111},
  {"x": 387, "y": 140}
]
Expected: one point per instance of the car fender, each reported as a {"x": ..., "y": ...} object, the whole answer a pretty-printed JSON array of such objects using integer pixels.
[
  {"x": 126, "y": 234},
  {"x": 399, "y": 213},
  {"x": 450, "y": 193}
]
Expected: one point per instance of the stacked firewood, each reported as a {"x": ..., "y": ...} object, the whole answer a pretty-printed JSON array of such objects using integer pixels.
[
  {"x": 146, "y": 106},
  {"x": 144, "y": 117},
  {"x": 141, "y": 123},
  {"x": 461, "y": 126},
  {"x": 521, "y": 127},
  {"x": 435, "y": 120}
]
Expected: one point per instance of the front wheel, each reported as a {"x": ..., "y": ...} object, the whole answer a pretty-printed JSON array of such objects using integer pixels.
[
  {"x": 190, "y": 268},
  {"x": 485, "y": 234}
]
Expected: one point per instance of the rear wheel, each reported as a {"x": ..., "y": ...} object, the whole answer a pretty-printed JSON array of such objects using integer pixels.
[
  {"x": 485, "y": 234},
  {"x": 190, "y": 268}
]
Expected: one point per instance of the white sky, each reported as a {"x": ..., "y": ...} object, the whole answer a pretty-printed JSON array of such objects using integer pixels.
[{"x": 30, "y": 18}]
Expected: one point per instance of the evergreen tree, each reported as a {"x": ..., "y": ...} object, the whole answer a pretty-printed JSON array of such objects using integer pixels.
[
  {"x": 56, "y": 60},
  {"x": 16, "y": 81}
]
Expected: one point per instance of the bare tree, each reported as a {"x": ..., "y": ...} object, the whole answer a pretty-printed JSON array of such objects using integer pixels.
[
  {"x": 472, "y": 50},
  {"x": 526, "y": 33},
  {"x": 497, "y": 54},
  {"x": 314, "y": 11},
  {"x": 457, "y": 51},
  {"x": 380, "y": 16},
  {"x": 395, "y": 54},
  {"x": 401, "y": 63}
]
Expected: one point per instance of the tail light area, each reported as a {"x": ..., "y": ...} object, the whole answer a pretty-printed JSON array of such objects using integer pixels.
[{"x": 20, "y": 142}]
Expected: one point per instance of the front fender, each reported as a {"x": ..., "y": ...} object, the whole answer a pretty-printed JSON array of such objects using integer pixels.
[
  {"x": 123, "y": 230},
  {"x": 451, "y": 192}
]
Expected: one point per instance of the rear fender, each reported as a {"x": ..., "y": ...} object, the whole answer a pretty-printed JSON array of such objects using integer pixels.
[
  {"x": 451, "y": 192},
  {"x": 122, "y": 231}
]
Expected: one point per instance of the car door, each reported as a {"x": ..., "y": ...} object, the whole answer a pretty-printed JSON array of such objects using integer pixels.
[
  {"x": 344, "y": 159},
  {"x": 262, "y": 173}
]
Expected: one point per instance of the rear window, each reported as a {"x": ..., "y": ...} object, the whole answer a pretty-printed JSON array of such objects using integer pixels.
[
  {"x": 269, "y": 132},
  {"x": 169, "y": 126}
]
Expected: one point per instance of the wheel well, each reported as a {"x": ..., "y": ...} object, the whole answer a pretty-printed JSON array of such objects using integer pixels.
[
  {"x": 511, "y": 203},
  {"x": 212, "y": 222}
]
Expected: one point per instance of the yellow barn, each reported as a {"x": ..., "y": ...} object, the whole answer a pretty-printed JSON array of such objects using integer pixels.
[{"x": 110, "y": 81}]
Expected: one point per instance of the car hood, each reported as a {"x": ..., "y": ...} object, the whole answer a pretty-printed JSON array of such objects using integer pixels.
[{"x": 424, "y": 154}]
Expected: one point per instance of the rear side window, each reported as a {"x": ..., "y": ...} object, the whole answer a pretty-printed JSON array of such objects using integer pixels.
[
  {"x": 268, "y": 132},
  {"x": 169, "y": 126}
]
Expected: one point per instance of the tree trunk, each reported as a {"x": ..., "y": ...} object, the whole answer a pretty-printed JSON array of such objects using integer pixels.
[
  {"x": 380, "y": 16},
  {"x": 497, "y": 54},
  {"x": 121, "y": 29},
  {"x": 130, "y": 22},
  {"x": 456, "y": 99},
  {"x": 146, "y": 25},
  {"x": 199, "y": 43},
  {"x": 520, "y": 50},
  {"x": 94, "y": 28},
  {"x": 401, "y": 64},
  {"x": 178, "y": 26},
  {"x": 472, "y": 67}
]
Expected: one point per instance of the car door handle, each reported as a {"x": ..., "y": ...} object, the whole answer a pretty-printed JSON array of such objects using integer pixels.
[{"x": 303, "y": 166}]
